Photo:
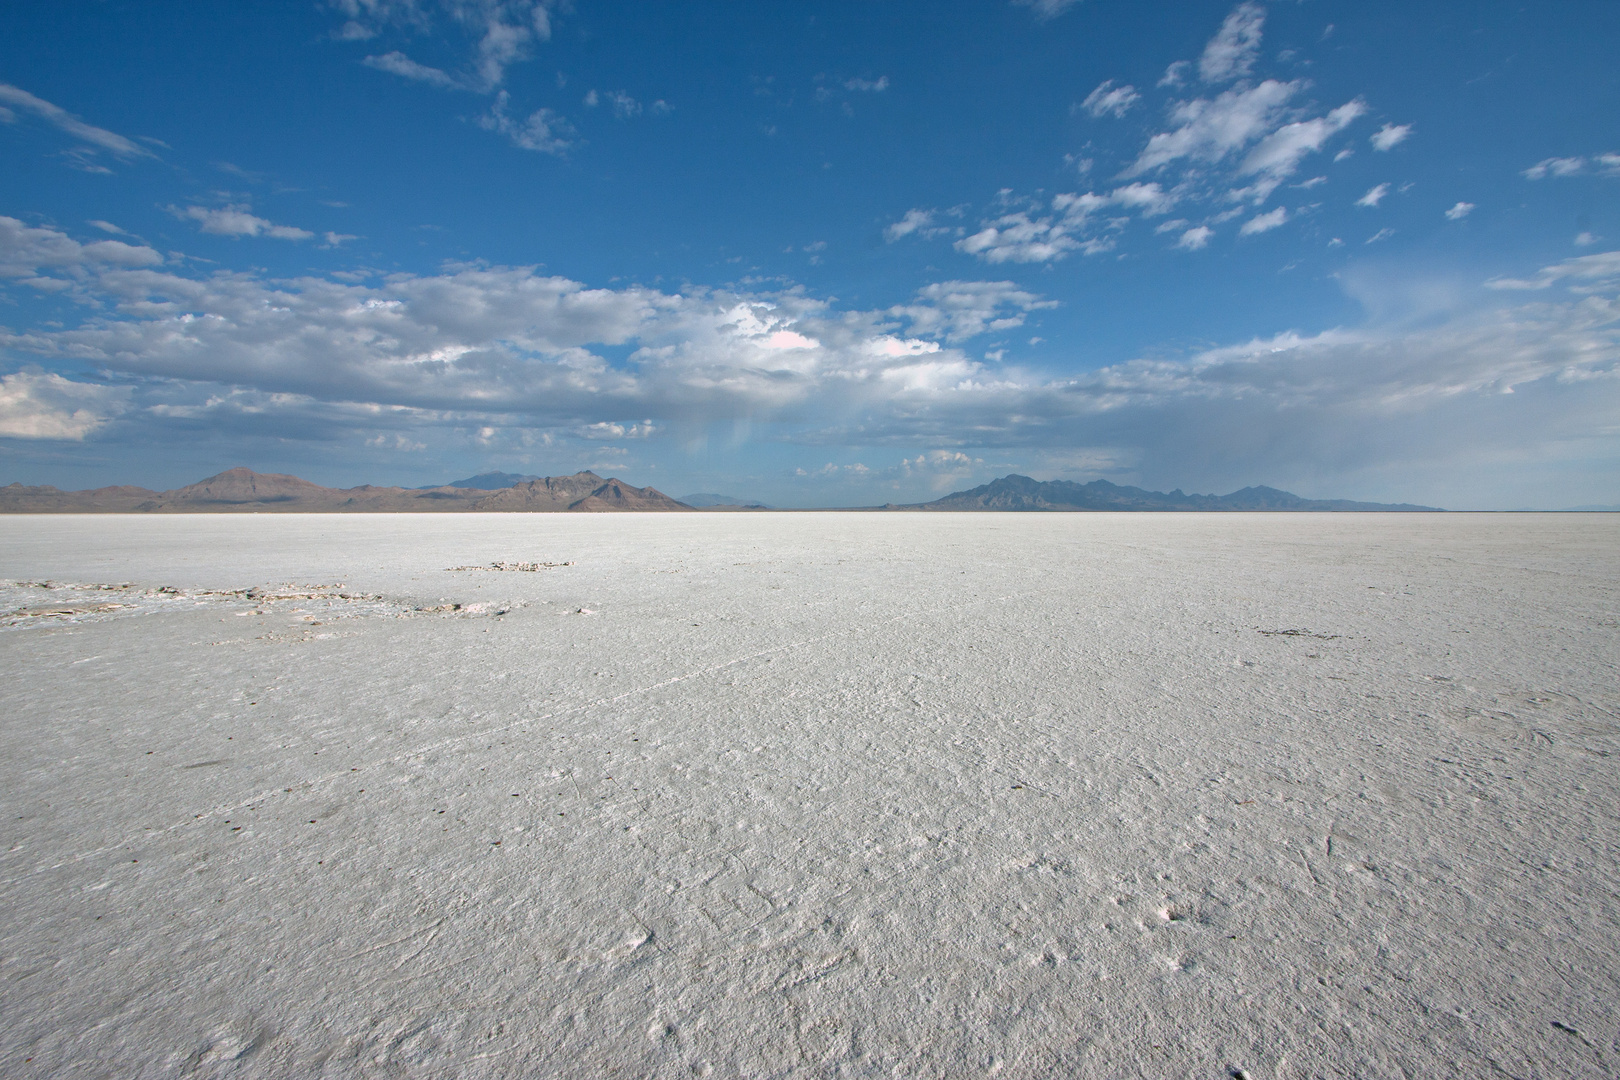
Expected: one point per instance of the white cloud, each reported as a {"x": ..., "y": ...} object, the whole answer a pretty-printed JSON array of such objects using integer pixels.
[
  {"x": 1017, "y": 237},
  {"x": 1231, "y": 53},
  {"x": 1209, "y": 130},
  {"x": 508, "y": 349},
  {"x": 914, "y": 221},
  {"x": 870, "y": 86},
  {"x": 107, "y": 227},
  {"x": 237, "y": 221},
  {"x": 1585, "y": 239},
  {"x": 28, "y": 253},
  {"x": 1110, "y": 99},
  {"x": 1175, "y": 74},
  {"x": 97, "y": 138},
  {"x": 1047, "y": 9},
  {"x": 1030, "y": 236},
  {"x": 1374, "y": 196},
  {"x": 1390, "y": 136},
  {"x": 1264, "y": 222},
  {"x": 1460, "y": 211},
  {"x": 1278, "y": 155},
  {"x": 1556, "y": 167},
  {"x": 397, "y": 63},
  {"x": 36, "y": 405},
  {"x": 1195, "y": 238},
  {"x": 958, "y": 310},
  {"x": 493, "y": 35},
  {"x": 544, "y": 130},
  {"x": 1602, "y": 269},
  {"x": 503, "y": 340},
  {"x": 1150, "y": 199},
  {"x": 1605, "y": 164},
  {"x": 624, "y": 106},
  {"x": 1381, "y": 234}
]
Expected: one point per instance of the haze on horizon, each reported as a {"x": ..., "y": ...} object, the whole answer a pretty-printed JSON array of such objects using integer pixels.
[{"x": 844, "y": 254}]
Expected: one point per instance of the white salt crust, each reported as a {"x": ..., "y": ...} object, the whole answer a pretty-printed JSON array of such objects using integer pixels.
[{"x": 810, "y": 795}]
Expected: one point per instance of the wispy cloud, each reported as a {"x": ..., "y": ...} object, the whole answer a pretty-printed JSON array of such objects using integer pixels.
[
  {"x": 1390, "y": 136},
  {"x": 1231, "y": 53},
  {"x": 94, "y": 137},
  {"x": 1374, "y": 196},
  {"x": 1195, "y": 238},
  {"x": 1264, "y": 222},
  {"x": 397, "y": 63},
  {"x": 1459, "y": 211},
  {"x": 1109, "y": 99},
  {"x": 1047, "y": 9},
  {"x": 543, "y": 130},
  {"x": 1603, "y": 164},
  {"x": 493, "y": 35},
  {"x": 238, "y": 220}
]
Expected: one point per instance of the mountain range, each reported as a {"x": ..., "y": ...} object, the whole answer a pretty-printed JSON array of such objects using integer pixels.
[
  {"x": 1014, "y": 492},
  {"x": 245, "y": 491}
]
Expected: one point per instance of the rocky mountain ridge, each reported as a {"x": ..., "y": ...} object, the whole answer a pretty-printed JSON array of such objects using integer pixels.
[
  {"x": 1014, "y": 492},
  {"x": 245, "y": 491}
]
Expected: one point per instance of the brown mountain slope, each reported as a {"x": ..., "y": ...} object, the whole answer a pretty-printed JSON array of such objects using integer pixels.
[
  {"x": 617, "y": 495},
  {"x": 234, "y": 486},
  {"x": 582, "y": 492},
  {"x": 245, "y": 491}
]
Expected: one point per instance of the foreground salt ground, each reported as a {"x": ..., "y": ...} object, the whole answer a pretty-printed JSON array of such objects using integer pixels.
[{"x": 810, "y": 795}]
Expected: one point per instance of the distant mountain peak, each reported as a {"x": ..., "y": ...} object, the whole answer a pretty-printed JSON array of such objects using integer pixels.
[{"x": 1016, "y": 492}]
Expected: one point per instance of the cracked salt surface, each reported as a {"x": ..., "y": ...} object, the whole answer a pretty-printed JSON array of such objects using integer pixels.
[{"x": 1032, "y": 795}]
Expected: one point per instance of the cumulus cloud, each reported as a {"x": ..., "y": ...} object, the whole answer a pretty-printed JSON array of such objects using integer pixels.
[
  {"x": 1231, "y": 53},
  {"x": 507, "y": 347},
  {"x": 238, "y": 220},
  {"x": 1459, "y": 211},
  {"x": 1374, "y": 196},
  {"x": 37, "y": 405},
  {"x": 36, "y": 255},
  {"x": 1264, "y": 222},
  {"x": 502, "y": 339},
  {"x": 1017, "y": 237},
  {"x": 1195, "y": 238},
  {"x": 543, "y": 131},
  {"x": 870, "y": 86},
  {"x": 1109, "y": 99},
  {"x": 95, "y": 138},
  {"x": 1390, "y": 136}
]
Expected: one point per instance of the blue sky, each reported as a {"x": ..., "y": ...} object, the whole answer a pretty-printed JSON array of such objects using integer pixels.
[{"x": 817, "y": 254}]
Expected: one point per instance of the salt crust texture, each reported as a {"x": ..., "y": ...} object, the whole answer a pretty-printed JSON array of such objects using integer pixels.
[{"x": 810, "y": 795}]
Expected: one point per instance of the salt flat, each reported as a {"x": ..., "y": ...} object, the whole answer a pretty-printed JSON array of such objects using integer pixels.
[{"x": 811, "y": 794}]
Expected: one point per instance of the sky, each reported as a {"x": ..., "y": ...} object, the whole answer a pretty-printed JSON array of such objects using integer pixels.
[{"x": 817, "y": 254}]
